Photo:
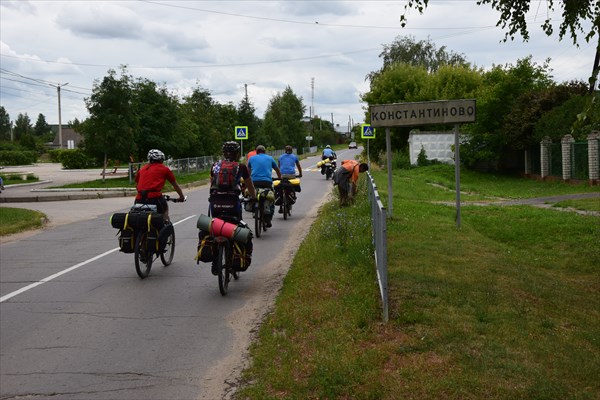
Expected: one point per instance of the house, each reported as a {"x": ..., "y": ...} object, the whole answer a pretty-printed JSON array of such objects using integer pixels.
[{"x": 70, "y": 138}]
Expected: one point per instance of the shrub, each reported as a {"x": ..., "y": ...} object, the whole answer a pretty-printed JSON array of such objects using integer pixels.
[
  {"x": 75, "y": 159},
  {"x": 17, "y": 157}
]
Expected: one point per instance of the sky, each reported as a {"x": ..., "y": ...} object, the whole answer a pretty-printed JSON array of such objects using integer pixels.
[{"x": 322, "y": 50}]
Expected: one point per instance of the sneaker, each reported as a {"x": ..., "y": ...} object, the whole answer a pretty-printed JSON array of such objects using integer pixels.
[
  {"x": 280, "y": 210},
  {"x": 214, "y": 269},
  {"x": 268, "y": 224}
]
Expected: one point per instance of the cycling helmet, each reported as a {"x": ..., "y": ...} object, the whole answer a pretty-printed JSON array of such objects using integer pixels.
[
  {"x": 231, "y": 147},
  {"x": 156, "y": 155},
  {"x": 328, "y": 147},
  {"x": 288, "y": 149}
]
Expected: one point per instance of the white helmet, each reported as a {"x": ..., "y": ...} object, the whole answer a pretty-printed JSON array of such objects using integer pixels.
[
  {"x": 328, "y": 147},
  {"x": 156, "y": 155}
]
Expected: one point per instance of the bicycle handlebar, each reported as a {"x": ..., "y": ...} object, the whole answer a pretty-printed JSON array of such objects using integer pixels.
[{"x": 173, "y": 199}]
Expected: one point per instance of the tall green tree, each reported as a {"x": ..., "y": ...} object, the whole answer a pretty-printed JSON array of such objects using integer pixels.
[
  {"x": 497, "y": 97},
  {"x": 283, "y": 120},
  {"x": 22, "y": 126},
  {"x": 109, "y": 130},
  {"x": 41, "y": 128},
  {"x": 155, "y": 110},
  {"x": 207, "y": 138},
  {"x": 422, "y": 53},
  {"x": 247, "y": 117},
  {"x": 5, "y": 124}
]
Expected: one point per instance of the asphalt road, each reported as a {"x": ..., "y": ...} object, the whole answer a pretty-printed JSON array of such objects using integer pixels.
[{"x": 77, "y": 323}]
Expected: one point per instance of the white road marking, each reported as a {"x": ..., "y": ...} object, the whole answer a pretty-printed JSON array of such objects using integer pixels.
[{"x": 74, "y": 267}]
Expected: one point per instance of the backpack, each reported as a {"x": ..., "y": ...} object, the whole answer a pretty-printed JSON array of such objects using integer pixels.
[{"x": 225, "y": 175}]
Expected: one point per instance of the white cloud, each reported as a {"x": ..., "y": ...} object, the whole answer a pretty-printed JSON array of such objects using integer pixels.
[{"x": 221, "y": 45}]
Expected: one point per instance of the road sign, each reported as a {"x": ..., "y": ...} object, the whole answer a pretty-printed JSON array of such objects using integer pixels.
[
  {"x": 241, "y": 132},
  {"x": 368, "y": 132},
  {"x": 423, "y": 113},
  {"x": 309, "y": 138}
]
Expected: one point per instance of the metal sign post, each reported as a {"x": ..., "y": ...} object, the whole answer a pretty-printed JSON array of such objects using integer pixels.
[
  {"x": 457, "y": 174},
  {"x": 367, "y": 132},
  {"x": 241, "y": 134}
]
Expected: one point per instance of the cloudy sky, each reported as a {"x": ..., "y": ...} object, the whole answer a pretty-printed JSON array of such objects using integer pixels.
[{"x": 321, "y": 49}]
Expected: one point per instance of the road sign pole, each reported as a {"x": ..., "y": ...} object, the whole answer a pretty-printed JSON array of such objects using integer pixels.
[{"x": 457, "y": 174}]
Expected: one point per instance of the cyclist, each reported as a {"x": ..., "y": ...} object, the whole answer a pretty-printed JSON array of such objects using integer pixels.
[
  {"x": 261, "y": 168},
  {"x": 288, "y": 163},
  {"x": 328, "y": 153},
  {"x": 250, "y": 154},
  {"x": 150, "y": 180},
  {"x": 226, "y": 200}
]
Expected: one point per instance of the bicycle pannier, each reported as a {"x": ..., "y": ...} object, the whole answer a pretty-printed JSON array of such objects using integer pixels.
[
  {"x": 127, "y": 240},
  {"x": 242, "y": 256},
  {"x": 205, "y": 247}
]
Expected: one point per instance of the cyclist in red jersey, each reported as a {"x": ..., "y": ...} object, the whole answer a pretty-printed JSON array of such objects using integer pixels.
[{"x": 150, "y": 180}]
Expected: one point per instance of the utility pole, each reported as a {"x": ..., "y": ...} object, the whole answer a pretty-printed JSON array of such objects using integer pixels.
[
  {"x": 60, "y": 141},
  {"x": 312, "y": 96},
  {"x": 246, "y": 89}
]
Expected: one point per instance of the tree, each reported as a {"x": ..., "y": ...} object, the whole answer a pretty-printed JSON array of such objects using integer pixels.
[
  {"x": 513, "y": 16},
  {"x": 22, "y": 126},
  {"x": 497, "y": 97},
  {"x": 109, "y": 131},
  {"x": 246, "y": 114},
  {"x": 423, "y": 53},
  {"x": 41, "y": 127},
  {"x": 156, "y": 116},
  {"x": 520, "y": 123},
  {"x": 283, "y": 120},
  {"x": 5, "y": 124},
  {"x": 200, "y": 114}
]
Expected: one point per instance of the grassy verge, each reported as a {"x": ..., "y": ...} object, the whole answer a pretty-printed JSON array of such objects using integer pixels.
[
  {"x": 120, "y": 182},
  {"x": 15, "y": 220},
  {"x": 507, "y": 307},
  {"x": 15, "y": 179}
]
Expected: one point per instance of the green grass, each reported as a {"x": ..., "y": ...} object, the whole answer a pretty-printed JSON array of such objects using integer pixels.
[
  {"x": 506, "y": 307},
  {"x": 14, "y": 220},
  {"x": 121, "y": 182},
  {"x": 14, "y": 179},
  {"x": 580, "y": 204}
]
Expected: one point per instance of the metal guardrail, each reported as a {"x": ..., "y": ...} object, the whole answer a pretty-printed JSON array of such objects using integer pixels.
[{"x": 379, "y": 237}]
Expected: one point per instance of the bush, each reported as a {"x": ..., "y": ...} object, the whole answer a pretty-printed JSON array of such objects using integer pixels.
[
  {"x": 75, "y": 159},
  {"x": 401, "y": 159},
  {"x": 17, "y": 157}
]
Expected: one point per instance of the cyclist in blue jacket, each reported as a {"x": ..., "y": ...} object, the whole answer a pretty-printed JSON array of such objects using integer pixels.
[{"x": 261, "y": 168}]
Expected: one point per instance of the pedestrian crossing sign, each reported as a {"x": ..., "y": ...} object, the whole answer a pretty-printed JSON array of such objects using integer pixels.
[
  {"x": 368, "y": 132},
  {"x": 241, "y": 132}
]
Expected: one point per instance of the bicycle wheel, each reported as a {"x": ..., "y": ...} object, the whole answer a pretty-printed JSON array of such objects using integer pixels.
[
  {"x": 223, "y": 274},
  {"x": 143, "y": 257},
  {"x": 285, "y": 205},
  {"x": 258, "y": 211},
  {"x": 169, "y": 252}
]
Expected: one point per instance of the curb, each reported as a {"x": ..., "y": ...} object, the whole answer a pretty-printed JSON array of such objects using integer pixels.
[{"x": 64, "y": 197}]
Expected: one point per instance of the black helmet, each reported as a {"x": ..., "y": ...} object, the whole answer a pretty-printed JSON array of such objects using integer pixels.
[
  {"x": 288, "y": 149},
  {"x": 231, "y": 149}
]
